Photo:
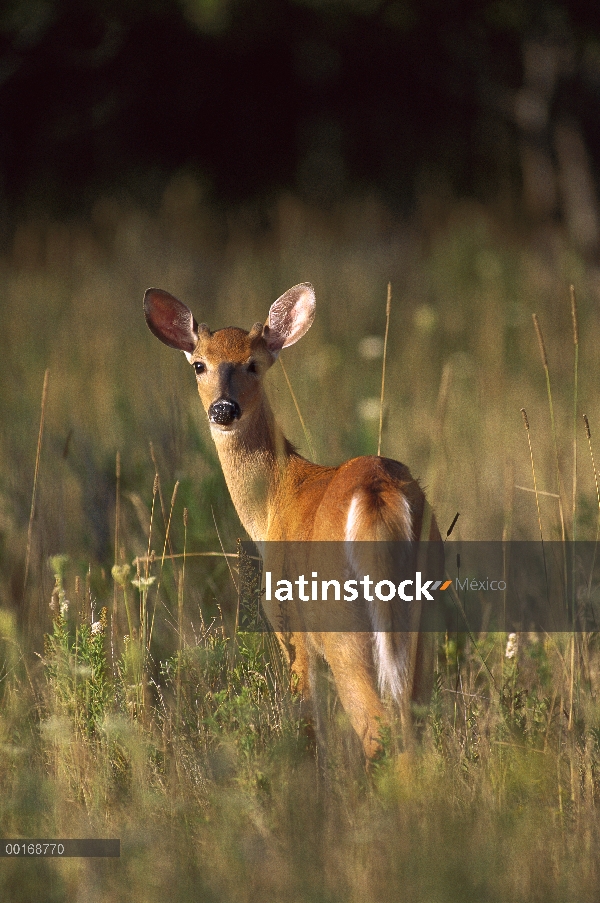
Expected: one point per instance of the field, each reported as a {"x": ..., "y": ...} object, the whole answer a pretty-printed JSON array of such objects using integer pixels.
[{"x": 127, "y": 712}]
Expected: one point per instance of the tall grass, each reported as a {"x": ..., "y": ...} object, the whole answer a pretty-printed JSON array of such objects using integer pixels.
[{"x": 164, "y": 729}]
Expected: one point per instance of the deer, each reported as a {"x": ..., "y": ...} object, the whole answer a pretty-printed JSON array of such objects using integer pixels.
[{"x": 281, "y": 497}]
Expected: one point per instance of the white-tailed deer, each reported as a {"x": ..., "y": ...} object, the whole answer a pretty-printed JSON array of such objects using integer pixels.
[{"x": 280, "y": 496}]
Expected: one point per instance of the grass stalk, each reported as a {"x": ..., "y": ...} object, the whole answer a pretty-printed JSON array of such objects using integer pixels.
[
  {"x": 388, "y": 307},
  {"x": 559, "y": 488},
  {"x": 149, "y": 552},
  {"x": 589, "y": 439},
  {"x": 509, "y": 499},
  {"x": 574, "y": 512},
  {"x": 180, "y": 588},
  {"x": 113, "y": 621},
  {"x": 160, "y": 496},
  {"x": 575, "y": 400},
  {"x": 223, "y": 552},
  {"x": 298, "y": 412},
  {"x": 164, "y": 553},
  {"x": 544, "y": 357},
  {"x": 535, "y": 489},
  {"x": 36, "y": 473},
  {"x": 433, "y": 469}
]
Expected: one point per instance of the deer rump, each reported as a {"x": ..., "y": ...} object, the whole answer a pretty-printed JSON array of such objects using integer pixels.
[{"x": 372, "y": 509}]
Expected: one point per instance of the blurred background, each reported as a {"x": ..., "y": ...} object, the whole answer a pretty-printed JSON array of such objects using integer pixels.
[
  {"x": 323, "y": 97},
  {"x": 225, "y": 150}
]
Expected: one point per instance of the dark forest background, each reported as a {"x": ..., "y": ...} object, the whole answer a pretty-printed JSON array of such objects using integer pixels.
[{"x": 323, "y": 97}]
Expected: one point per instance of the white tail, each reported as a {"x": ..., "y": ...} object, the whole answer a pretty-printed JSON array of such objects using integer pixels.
[{"x": 280, "y": 496}]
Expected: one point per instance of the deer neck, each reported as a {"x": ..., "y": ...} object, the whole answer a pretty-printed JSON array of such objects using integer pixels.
[{"x": 254, "y": 458}]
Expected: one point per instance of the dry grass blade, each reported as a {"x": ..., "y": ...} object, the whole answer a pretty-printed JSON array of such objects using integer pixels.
[
  {"x": 588, "y": 434},
  {"x": 575, "y": 400},
  {"x": 164, "y": 552},
  {"x": 574, "y": 510},
  {"x": 535, "y": 489},
  {"x": 433, "y": 470},
  {"x": 180, "y": 588},
  {"x": 540, "y": 339},
  {"x": 35, "y": 477},
  {"x": 574, "y": 315},
  {"x": 160, "y": 496},
  {"x": 299, "y": 413},
  {"x": 113, "y": 623},
  {"x": 544, "y": 356},
  {"x": 589, "y": 439},
  {"x": 388, "y": 308},
  {"x": 143, "y": 558},
  {"x": 225, "y": 555},
  {"x": 154, "y": 493},
  {"x": 550, "y": 495}
]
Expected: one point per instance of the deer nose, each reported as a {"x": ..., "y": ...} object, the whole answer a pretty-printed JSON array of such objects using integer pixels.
[{"x": 224, "y": 412}]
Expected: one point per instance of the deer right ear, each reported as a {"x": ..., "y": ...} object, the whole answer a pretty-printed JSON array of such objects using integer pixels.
[
  {"x": 290, "y": 317},
  {"x": 170, "y": 320}
]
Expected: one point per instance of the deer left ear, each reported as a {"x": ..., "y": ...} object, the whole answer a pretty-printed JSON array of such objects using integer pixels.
[{"x": 290, "y": 317}]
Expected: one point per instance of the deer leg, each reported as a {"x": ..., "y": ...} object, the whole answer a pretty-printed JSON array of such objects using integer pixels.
[
  {"x": 300, "y": 661},
  {"x": 350, "y": 658}
]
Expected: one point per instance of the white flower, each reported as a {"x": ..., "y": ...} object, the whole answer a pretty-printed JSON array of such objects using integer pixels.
[
  {"x": 143, "y": 582},
  {"x": 64, "y": 607},
  {"x": 120, "y": 573},
  {"x": 97, "y": 627},
  {"x": 511, "y": 646}
]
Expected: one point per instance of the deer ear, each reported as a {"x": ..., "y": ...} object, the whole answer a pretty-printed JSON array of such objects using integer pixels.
[
  {"x": 170, "y": 320},
  {"x": 290, "y": 317}
]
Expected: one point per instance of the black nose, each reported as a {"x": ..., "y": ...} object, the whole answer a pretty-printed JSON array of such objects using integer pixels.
[{"x": 224, "y": 411}]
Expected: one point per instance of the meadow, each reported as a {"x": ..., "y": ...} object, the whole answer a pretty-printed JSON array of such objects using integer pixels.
[{"x": 128, "y": 708}]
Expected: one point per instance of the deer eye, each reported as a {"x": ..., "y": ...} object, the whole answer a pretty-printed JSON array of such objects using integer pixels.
[
  {"x": 199, "y": 367},
  {"x": 252, "y": 367}
]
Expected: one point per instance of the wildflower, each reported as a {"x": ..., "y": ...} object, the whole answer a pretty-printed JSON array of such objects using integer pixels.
[
  {"x": 143, "y": 583},
  {"x": 64, "y": 607},
  {"x": 120, "y": 572},
  {"x": 57, "y": 564},
  {"x": 511, "y": 646},
  {"x": 97, "y": 627}
]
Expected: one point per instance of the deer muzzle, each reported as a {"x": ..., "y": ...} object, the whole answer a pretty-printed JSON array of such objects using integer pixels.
[{"x": 224, "y": 412}]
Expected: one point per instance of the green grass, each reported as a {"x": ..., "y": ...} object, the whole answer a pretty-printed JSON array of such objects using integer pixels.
[{"x": 136, "y": 717}]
